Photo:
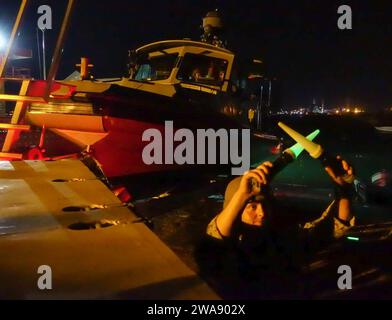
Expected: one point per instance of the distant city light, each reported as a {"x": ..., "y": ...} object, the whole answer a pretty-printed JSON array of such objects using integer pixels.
[{"x": 336, "y": 110}]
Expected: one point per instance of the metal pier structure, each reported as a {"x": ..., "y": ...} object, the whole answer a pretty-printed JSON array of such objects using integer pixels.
[{"x": 58, "y": 214}]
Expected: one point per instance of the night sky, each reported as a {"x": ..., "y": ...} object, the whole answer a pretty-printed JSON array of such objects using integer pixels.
[{"x": 298, "y": 41}]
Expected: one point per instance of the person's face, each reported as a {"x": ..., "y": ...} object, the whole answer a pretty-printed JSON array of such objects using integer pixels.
[
  {"x": 196, "y": 74},
  {"x": 254, "y": 214}
]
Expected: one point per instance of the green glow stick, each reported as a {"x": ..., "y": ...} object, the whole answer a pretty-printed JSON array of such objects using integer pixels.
[
  {"x": 298, "y": 148},
  {"x": 353, "y": 238},
  {"x": 314, "y": 149}
]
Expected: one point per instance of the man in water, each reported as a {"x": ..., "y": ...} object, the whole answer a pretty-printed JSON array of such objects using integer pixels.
[
  {"x": 247, "y": 249},
  {"x": 255, "y": 207}
]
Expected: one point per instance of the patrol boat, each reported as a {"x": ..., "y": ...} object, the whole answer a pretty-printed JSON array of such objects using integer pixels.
[{"x": 184, "y": 81}]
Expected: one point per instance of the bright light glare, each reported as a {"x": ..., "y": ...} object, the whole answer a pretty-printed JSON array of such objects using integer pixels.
[{"x": 3, "y": 42}]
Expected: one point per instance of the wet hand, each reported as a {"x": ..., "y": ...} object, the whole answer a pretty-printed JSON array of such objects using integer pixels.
[
  {"x": 344, "y": 179},
  {"x": 253, "y": 180}
]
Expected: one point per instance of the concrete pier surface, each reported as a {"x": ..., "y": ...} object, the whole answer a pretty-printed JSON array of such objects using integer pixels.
[{"x": 58, "y": 214}]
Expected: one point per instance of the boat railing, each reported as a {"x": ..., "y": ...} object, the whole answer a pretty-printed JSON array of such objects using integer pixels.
[{"x": 24, "y": 97}]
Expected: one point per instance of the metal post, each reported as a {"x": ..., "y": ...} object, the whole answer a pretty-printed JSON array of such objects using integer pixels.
[
  {"x": 43, "y": 54},
  {"x": 260, "y": 107},
  {"x": 269, "y": 96},
  {"x": 39, "y": 55},
  {"x": 269, "y": 93},
  {"x": 59, "y": 48}
]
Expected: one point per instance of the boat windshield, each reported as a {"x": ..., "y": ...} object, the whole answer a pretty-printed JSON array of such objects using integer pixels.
[
  {"x": 202, "y": 69},
  {"x": 150, "y": 67}
]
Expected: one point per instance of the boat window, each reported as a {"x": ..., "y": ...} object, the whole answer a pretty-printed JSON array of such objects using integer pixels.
[
  {"x": 155, "y": 67},
  {"x": 202, "y": 69}
]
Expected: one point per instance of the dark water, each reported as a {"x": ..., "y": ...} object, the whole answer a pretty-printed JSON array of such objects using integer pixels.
[
  {"x": 184, "y": 227},
  {"x": 181, "y": 211}
]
